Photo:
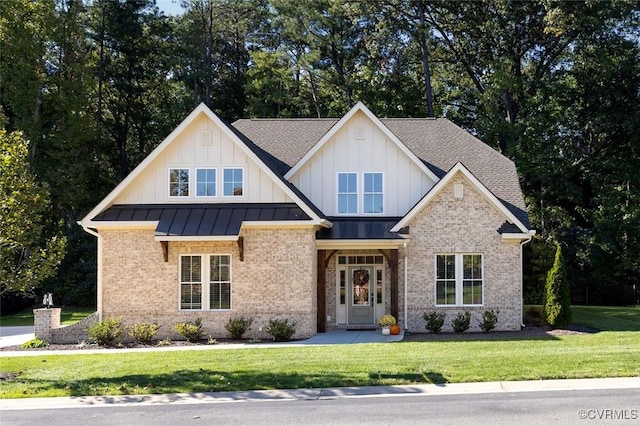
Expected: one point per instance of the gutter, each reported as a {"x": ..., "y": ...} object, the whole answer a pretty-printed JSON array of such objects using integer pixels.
[
  {"x": 405, "y": 287},
  {"x": 98, "y": 270},
  {"x": 522, "y": 244}
]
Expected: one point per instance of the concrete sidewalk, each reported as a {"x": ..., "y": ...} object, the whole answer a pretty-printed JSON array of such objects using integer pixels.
[
  {"x": 331, "y": 337},
  {"x": 317, "y": 394}
]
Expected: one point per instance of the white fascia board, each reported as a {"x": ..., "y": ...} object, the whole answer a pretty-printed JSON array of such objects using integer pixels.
[
  {"x": 196, "y": 238},
  {"x": 459, "y": 167},
  {"x": 359, "y": 244},
  {"x": 108, "y": 200},
  {"x": 106, "y": 224},
  {"x": 515, "y": 236},
  {"x": 281, "y": 224},
  {"x": 336, "y": 127}
]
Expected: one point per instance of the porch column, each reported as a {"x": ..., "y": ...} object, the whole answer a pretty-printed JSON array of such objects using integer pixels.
[
  {"x": 321, "y": 291},
  {"x": 393, "y": 267}
]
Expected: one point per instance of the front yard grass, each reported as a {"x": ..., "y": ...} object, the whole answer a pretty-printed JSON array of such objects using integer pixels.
[
  {"x": 69, "y": 315},
  {"x": 603, "y": 354}
]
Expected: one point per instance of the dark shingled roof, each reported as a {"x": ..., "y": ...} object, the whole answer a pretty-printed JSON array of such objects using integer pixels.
[
  {"x": 202, "y": 219},
  {"x": 360, "y": 228},
  {"x": 438, "y": 142}
]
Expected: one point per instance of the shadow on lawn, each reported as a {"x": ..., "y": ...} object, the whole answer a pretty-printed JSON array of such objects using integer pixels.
[
  {"x": 204, "y": 380},
  {"x": 527, "y": 333}
]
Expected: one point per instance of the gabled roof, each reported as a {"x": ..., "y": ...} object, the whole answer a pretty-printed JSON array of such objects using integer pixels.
[
  {"x": 437, "y": 142},
  {"x": 438, "y": 187},
  {"x": 244, "y": 144}
]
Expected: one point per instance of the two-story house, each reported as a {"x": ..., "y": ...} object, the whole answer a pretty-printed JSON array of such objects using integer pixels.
[{"x": 328, "y": 222}]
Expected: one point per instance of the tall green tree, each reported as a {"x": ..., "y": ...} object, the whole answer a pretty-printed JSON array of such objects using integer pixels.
[
  {"x": 557, "y": 298},
  {"x": 27, "y": 254}
]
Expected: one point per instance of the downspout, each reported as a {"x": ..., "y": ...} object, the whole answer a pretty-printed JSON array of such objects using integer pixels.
[
  {"x": 98, "y": 269},
  {"x": 522, "y": 244},
  {"x": 405, "y": 288}
]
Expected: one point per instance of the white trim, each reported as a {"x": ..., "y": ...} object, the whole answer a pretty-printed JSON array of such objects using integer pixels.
[
  {"x": 195, "y": 193},
  {"x": 116, "y": 224},
  {"x": 205, "y": 282},
  {"x": 438, "y": 187},
  {"x": 287, "y": 224},
  {"x": 376, "y": 121},
  {"x": 244, "y": 180},
  {"x": 374, "y": 193},
  {"x": 200, "y": 109},
  {"x": 338, "y": 193},
  {"x": 459, "y": 279},
  {"x": 178, "y": 197},
  {"x": 518, "y": 236},
  {"x": 358, "y": 244},
  {"x": 196, "y": 237}
]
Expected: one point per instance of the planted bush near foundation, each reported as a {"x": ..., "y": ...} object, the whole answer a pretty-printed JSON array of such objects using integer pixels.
[
  {"x": 34, "y": 343},
  {"x": 238, "y": 326},
  {"x": 281, "y": 329},
  {"x": 190, "y": 330},
  {"x": 105, "y": 332},
  {"x": 461, "y": 322},
  {"x": 489, "y": 320},
  {"x": 143, "y": 333},
  {"x": 434, "y": 321}
]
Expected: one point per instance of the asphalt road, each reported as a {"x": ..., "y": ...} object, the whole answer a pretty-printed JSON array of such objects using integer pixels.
[{"x": 613, "y": 406}]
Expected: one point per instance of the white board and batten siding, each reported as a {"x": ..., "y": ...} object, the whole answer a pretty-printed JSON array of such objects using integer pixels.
[
  {"x": 201, "y": 144},
  {"x": 361, "y": 147}
]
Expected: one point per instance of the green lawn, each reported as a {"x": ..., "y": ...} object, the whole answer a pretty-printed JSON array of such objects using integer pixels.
[
  {"x": 602, "y": 354},
  {"x": 607, "y": 318},
  {"x": 69, "y": 315}
]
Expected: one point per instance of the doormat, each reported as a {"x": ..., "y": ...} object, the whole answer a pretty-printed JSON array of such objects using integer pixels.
[{"x": 360, "y": 327}]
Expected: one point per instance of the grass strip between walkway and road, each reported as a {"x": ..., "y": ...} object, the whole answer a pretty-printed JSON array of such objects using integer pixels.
[{"x": 604, "y": 354}]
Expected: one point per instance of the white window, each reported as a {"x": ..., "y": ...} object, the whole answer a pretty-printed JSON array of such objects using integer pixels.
[
  {"x": 205, "y": 182},
  {"x": 212, "y": 294},
  {"x": 373, "y": 200},
  {"x": 347, "y": 193},
  {"x": 178, "y": 182},
  {"x": 233, "y": 182},
  {"x": 459, "y": 279}
]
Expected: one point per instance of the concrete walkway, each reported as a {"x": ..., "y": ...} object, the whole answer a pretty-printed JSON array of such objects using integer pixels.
[
  {"x": 320, "y": 393},
  {"x": 331, "y": 337}
]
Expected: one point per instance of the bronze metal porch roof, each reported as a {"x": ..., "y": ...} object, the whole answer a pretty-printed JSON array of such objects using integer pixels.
[
  {"x": 360, "y": 228},
  {"x": 202, "y": 219}
]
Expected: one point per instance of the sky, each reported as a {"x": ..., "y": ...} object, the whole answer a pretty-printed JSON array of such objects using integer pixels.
[{"x": 170, "y": 7}]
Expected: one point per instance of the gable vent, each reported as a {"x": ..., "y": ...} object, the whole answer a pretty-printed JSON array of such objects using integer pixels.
[
  {"x": 359, "y": 133},
  {"x": 205, "y": 138},
  {"x": 458, "y": 191}
]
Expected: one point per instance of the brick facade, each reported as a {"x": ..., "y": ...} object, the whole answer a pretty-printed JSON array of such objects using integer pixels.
[
  {"x": 467, "y": 225},
  {"x": 276, "y": 279}
]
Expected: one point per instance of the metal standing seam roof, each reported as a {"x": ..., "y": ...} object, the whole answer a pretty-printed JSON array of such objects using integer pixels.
[
  {"x": 359, "y": 228},
  {"x": 202, "y": 219},
  {"x": 438, "y": 142}
]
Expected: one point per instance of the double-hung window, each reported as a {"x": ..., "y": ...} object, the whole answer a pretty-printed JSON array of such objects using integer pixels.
[
  {"x": 205, "y": 182},
  {"x": 373, "y": 193},
  {"x": 178, "y": 182},
  {"x": 198, "y": 293},
  {"x": 459, "y": 279},
  {"x": 347, "y": 193},
  {"x": 233, "y": 184}
]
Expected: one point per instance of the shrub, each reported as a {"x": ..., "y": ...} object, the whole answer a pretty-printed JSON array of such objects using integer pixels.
[
  {"x": 281, "y": 330},
  {"x": 190, "y": 330},
  {"x": 557, "y": 299},
  {"x": 105, "y": 332},
  {"x": 461, "y": 322},
  {"x": 34, "y": 344},
  {"x": 238, "y": 326},
  {"x": 489, "y": 320},
  {"x": 434, "y": 321},
  {"x": 143, "y": 333}
]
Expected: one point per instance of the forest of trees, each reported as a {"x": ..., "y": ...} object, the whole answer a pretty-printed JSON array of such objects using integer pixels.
[{"x": 95, "y": 85}]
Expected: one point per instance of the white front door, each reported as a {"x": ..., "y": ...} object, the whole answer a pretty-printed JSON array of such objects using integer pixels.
[{"x": 360, "y": 295}]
